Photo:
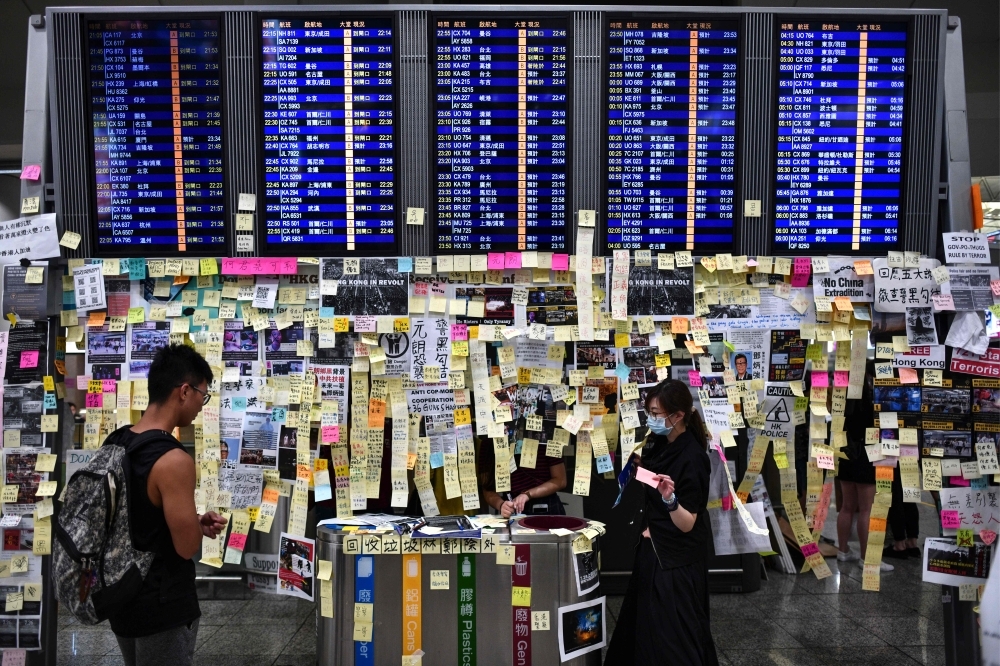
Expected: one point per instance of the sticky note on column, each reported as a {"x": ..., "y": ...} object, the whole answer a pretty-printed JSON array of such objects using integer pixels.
[
  {"x": 520, "y": 596},
  {"x": 505, "y": 554}
]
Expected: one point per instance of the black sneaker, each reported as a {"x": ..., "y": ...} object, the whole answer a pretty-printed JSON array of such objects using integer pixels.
[
  {"x": 914, "y": 552},
  {"x": 889, "y": 551}
]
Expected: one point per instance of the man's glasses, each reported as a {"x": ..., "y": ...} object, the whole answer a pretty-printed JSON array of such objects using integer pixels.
[{"x": 205, "y": 395}]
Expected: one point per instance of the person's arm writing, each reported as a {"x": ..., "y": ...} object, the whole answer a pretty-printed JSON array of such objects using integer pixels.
[{"x": 556, "y": 482}]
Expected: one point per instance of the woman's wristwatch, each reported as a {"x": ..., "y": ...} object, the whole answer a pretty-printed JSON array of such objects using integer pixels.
[{"x": 672, "y": 503}]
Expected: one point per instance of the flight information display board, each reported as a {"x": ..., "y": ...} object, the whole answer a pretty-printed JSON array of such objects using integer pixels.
[
  {"x": 501, "y": 104},
  {"x": 329, "y": 139},
  {"x": 156, "y": 111},
  {"x": 840, "y": 137},
  {"x": 671, "y": 119}
]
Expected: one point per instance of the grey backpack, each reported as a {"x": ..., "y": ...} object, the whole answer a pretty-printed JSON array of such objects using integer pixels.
[{"x": 95, "y": 566}]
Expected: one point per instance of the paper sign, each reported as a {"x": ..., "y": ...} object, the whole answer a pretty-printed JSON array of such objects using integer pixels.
[{"x": 964, "y": 247}]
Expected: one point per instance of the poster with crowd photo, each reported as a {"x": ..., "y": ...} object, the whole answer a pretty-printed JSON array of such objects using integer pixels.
[
  {"x": 105, "y": 347},
  {"x": 240, "y": 342},
  {"x": 595, "y": 353},
  {"x": 148, "y": 338},
  {"x": 788, "y": 356},
  {"x": 552, "y": 306},
  {"x": 259, "y": 441},
  {"x": 378, "y": 288},
  {"x": 282, "y": 344},
  {"x": 969, "y": 286},
  {"x": 295, "y": 567},
  {"x": 19, "y": 470},
  {"x": 660, "y": 293},
  {"x": 26, "y": 337},
  {"x": 341, "y": 353},
  {"x": 498, "y": 305},
  {"x": 641, "y": 362},
  {"x": 986, "y": 400},
  {"x": 430, "y": 344},
  {"x": 22, "y": 410}
]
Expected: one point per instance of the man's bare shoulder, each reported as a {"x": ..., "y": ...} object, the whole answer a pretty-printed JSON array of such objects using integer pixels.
[{"x": 174, "y": 463}]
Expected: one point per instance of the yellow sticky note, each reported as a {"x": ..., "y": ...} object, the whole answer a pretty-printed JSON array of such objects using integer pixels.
[
  {"x": 505, "y": 554},
  {"x": 209, "y": 266},
  {"x": 325, "y": 570},
  {"x": 47, "y": 488},
  {"x": 9, "y": 494},
  {"x": 136, "y": 315},
  {"x": 520, "y": 596},
  {"x": 440, "y": 579},
  {"x": 363, "y": 632}
]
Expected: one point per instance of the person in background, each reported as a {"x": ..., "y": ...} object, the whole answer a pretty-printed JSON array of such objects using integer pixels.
[
  {"x": 532, "y": 491},
  {"x": 857, "y": 475},
  {"x": 160, "y": 625},
  {"x": 904, "y": 521},
  {"x": 77, "y": 417},
  {"x": 665, "y": 615}
]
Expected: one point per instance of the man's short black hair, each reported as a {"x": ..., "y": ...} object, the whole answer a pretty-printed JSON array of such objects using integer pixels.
[
  {"x": 172, "y": 366},
  {"x": 741, "y": 356}
]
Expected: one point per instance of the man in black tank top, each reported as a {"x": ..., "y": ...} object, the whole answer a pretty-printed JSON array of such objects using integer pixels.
[{"x": 160, "y": 625}]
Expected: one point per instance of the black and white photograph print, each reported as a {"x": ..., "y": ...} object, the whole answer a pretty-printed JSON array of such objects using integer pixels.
[
  {"x": 945, "y": 401},
  {"x": 595, "y": 353},
  {"x": 104, "y": 346},
  {"x": 920, "y": 329},
  {"x": 378, "y": 288},
  {"x": 148, "y": 338},
  {"x": 660, "y": 293},
  {"x": 955, "y": 444}
]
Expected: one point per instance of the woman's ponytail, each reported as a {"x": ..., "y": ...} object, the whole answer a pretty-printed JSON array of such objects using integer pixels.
[{"x": 696, "y": 426}]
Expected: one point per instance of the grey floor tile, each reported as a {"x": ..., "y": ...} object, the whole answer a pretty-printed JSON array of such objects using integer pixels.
[
  {"x": 260, "y": 640},
  {"x": 775, "y": 657},
  {"x": 615, "y": 605},
  {"x": 790, "y": 606},
  {"x": 233, "y": 660},
  {"x": 96, "y": 642},
  {"x": 79, "y": 660},
  {"x": 838, "y": 583},
  {"x": 899, "y": 631},
  {"x": 928, "y": 655},
  {"x": 214, "y": 612},
  {"x": 304, "y": 640},
  {"x": 812, "y": 631},
  {"x": 205, "y": 633},
  {"x": 865, "y": 605},
  {"x": 273, "y": 610},
  {"x": 733, "y": 606},
  {"x": 871, "y": 656},
  {"x": 779, "y": 583},
  {"x": 295, "y": 660},
  {"x": 110, "y": 660},
  {"x": 734, "y": 635}
]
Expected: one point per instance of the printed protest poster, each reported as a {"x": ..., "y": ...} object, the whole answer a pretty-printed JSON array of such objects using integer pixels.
[
  {"x": 899, "y": 288},
  {"x": 970, "y": 286},
  {"x": 660, "y": 293},
  {"x": 378, "y": 288},
  {"x": 585, "y": 570},
  {"x": 582, "y": 628},
  {"x": 26, "y": 337},
  {"x": 22, "y": 410},
  {"x": 788, "y": 356},
  {"x": 259, "y": 443},
  {"x": 397, "y": 353},
  {"x": 947, "y": 563},
  {"x": 88, "y": 285},
  {"x": 240, "y": 342},
  {"x": 105, "y": 347},
  {"x": 148, "y": 338},
  {"x": 750, "y": 354},
  {"x": 843, "y": 281},
  {"x": 28, "y": 301},
  {"x": 295, "y": 567},
  {"x": 430, "y": 344}
]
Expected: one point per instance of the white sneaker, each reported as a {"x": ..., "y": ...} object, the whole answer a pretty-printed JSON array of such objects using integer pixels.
[
  {"x": 849, "y": 556},
  {"x": 884, "y": 567}
]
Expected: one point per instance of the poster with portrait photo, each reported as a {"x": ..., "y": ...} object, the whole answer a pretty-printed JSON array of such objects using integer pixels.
[
  {"x": 660, "y": 293},
  {"x": 295, "y": 566},
  {"x": 281, "y": 344},
  {"x": 378, "y": 289},
  {"x": 240, "y": 342},
  {"x": 920, "y": 328},
  {"x": 104, "y": 346},
  {"x": 582, "y": 628},
  {"x": 148, "y": 338},
  {"x": 754, "y": 346}
]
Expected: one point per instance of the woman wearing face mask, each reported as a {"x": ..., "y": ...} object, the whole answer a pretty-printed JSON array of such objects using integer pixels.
[{"x": 665, "y": 612}]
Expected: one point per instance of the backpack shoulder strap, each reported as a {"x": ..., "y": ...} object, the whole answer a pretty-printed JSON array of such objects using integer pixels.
[{"x": 138, "y": 439}]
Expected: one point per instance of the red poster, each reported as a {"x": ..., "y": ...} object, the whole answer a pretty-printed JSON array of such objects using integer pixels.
[{"x": 520, "y": 576}]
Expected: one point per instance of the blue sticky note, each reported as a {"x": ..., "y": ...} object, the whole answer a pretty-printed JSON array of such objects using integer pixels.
[
  {"x": 325, "y": 313},
  {"x": 50, "y": 401},
  {"x": 239, "y": 403},
  {"x": 437, "y": 459},
  {"x": 622, "y": 371},
  {"x": 278, "y": 414},
  {"x": 69, "y": 298},
  {"x": 137, "y": 269},
  {"x": 980, "y": 483},
  {"x": 323, "y": 492},
  {"x": 405, "y": 265},
  {"x": 604, "y": 464},
  {"x": 518, "y": 446}
]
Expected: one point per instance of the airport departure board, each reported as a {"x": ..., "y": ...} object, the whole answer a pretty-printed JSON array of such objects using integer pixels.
[
  {"x": 329, "y": 140},
  {"x": 501, "y": 105},
  {"x": 156, "y": 111},
  {"x": 671, "y": 140},
  {"x": 840, "y": 137}
]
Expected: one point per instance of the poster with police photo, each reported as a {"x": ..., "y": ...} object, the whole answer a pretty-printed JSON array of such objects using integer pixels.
[
  {"x": 378, "y": 288},
  {"x": 148, "y": 338},
  {"x": 240, "y": 342},
  {"x": 660, "y": 293},
  {"x": 106, "y": 347}
]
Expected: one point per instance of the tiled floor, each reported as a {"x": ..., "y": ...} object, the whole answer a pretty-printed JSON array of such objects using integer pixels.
[{"x": 791, "y": 621}]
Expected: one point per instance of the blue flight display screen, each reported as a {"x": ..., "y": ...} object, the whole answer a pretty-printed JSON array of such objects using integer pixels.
[
  {"x": 329, "y": 138},
  {"x": 671, "y": 119},
  {"x": 156, "y": 111},
  {"x": 840, "y": 137},
  {"x": 501, "y": 103}
]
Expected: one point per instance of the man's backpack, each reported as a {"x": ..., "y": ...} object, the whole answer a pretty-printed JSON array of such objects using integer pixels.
[{"x": 96, "y": 568}]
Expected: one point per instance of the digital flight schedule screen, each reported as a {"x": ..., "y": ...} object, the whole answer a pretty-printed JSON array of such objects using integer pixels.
[
  {"x": 501, "y": 105},
  {"x": 329, "y": 137},
  {"x": 840, "y": 137},
  {"x": 671, "y": 134},
  {"x": 156, "y": 111}
]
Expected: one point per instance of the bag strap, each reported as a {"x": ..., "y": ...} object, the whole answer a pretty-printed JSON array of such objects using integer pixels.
[{"x": 145, "y": 437}]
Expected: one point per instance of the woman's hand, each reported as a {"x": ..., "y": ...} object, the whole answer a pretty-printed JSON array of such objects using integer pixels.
[
  {"x": 665, "y": 486},
  {"x": 520, "y": 501},
  {"x": 507, "y": 509},
  {"x": 211, "y": 524}
]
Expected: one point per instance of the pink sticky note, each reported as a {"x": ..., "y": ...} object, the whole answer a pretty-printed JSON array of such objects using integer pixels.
[
  {"x": 331, "y": 434},
  {"x": 809, "y": 549},
  {"x": 995, "y": 286},
  {"x": 95, "y": 400},
  {"x": 959, "y": 481},
  {"x": 800, "y": 271},
  {"x": 943, "y": 302},
  {"x": 14, "y": 657},
  {"x": 109, "y": 386},
  {"x": 365, "y": 324},
  {"x": 988, "y": 536},
  {"x": 421, "y": 289},
  {"x": 727, "y": 502},
  {"x": 950, "y": 519},
  {"x": 694, "y": 377},
  {"x": 820, "y": 379},
  {"x": 81, "y": 382},
  {"x": 908, "y": 376},
  {"x": 560, "y": 262},
  {"x": 31, "y": 172},
  {"x": 29, "y": 359},
  {"x": 495, "y": 261},
  {"x": 459, "y": 332},
  {"x": 643, "y": 475},
  {"x": 237, "y": 541},
  {"x": 841, "y": 378},
  {"x": 512, "y": 260}
]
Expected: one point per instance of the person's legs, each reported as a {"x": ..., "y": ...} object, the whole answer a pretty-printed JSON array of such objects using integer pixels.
[
  {"x": 127, "y": 646},
  {"x": 173, "y": 647},
  {"x": 911, "y": 518},
  {"x": 845, "y": 517},
  {"x": 896, "y": 518},
  {"x": 866, "y": 498}
]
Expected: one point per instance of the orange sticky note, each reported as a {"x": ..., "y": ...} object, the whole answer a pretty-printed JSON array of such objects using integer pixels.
[
  {"x": 679, "y": 325},
  {"x": 884, "y": 473},
  {"x": 97, "y": 319},
  {"x": 908, "y": 376}
]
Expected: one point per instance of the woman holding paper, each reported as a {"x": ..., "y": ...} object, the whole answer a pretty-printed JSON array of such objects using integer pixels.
[{"x": 665, "y": 614}]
